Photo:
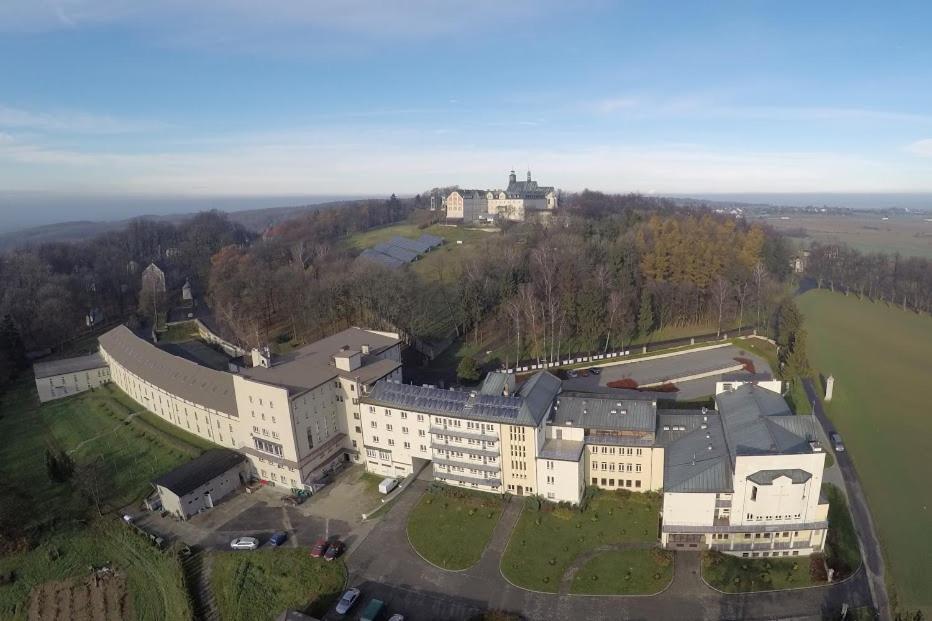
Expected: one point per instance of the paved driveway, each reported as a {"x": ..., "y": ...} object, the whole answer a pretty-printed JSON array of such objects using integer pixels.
[
  {"x": 670, "y": 368},
  {"x": 386, "y": 566},
  {"x": 871, "y": 553}
]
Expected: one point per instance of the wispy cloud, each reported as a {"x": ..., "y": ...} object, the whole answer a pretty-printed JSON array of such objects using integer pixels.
[
  {"x": 922, "y": 148},
  {"x": 72, "y": 122},
  {"x": 614, "y": 104}
]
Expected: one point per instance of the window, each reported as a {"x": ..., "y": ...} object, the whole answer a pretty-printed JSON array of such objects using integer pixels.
[
  {"x": 391, "y": 442},
  {"x": 310, "y": 438},
  {"x": 421, "y": 433},
  {"x": 753, "y": 492},
  {"x": 267, "y": 447},
  {"x": 375, "y": 439},
  {"x": 404, "y": 430},
  {"x": 637, "y": 484},
  {"x": 354, "y": 443},
  {"x": 549, "y": 479},
  {"x": 407, "y": 445},
  {"x": 549, "y": 465},
  {"x": 404, "y": 415},
  {"x": 373, "y": 424},
  {"x": 595, "y": 481},
  {"x": 358, "y": 429},
  {"x": 420, "y": 418},
  {"x": 388, "y": 427}
]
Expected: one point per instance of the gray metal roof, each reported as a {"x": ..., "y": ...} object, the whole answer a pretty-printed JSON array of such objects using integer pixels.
[
  {"x": 595, "y": 411},
  {"x": 396, "y": 252},
  {"x": 767, "y": 477},
  {"x": 528, "y": 407},
  {"x": 495, "y": 383},
  {"x": 382, "y": 259},
  {"x": 758, "y": 421},
  {"x": 68, "y": 365},
  {"x": 690, "y": 465},
  {"x": 189, "y": 476},
  {"x": 562, "y": 450},
  {"x": 310, "y": 366},
  {"x": 183, "y": 378}
]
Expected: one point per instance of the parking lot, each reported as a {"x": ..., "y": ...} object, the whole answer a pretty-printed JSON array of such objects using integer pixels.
[
  {"x": 711, "y": 363},
  {"x": 333, "y": 513}
]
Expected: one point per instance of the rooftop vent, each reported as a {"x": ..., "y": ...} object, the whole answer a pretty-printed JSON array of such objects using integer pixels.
[
  {"x": 365, "y": 348},
  {"x": 710, "y": 447}
]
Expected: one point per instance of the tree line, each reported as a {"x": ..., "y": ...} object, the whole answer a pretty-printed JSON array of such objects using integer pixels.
[{"x": 891, "y": 278}]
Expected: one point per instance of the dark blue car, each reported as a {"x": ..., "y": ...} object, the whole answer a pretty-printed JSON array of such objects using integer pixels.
[{"x": 277, "y": 539}]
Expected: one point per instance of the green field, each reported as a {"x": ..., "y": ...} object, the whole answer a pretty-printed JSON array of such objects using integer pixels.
[
  {"x": 625, "y": 572},
  {"x": 545, "y": 542},
  {"x": 115, "y": 454},
  {"x": 881, "y": 357},
  {"x": 451, "y": 527},
  {"x": 252, "y": 586},
  {"x": 741, "y": 575}
]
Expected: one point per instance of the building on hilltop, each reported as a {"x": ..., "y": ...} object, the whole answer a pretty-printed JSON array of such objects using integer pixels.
[
  {"x": 153, "y": 279},
  {"x": 515, "y": 203}
]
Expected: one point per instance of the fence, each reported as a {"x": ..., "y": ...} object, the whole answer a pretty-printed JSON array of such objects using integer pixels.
[{"x": 622, "y": 354}]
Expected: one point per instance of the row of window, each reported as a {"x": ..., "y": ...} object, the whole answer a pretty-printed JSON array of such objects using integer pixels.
[
  {"x": 610, "y": 450},
  {"x": 610, "y": 467},
  {"x": 621, "y": 483},
  {"x": 263, "y": 431},
  {"x": 788, "y": 516}
]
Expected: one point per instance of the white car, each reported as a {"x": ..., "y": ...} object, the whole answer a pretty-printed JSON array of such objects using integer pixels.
[
  {"x": 244, "y": 543},
  {"x": 396, "y": 617},
  {"x": 346, "y": 602}
]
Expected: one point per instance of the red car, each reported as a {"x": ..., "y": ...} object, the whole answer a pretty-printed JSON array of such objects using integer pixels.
[
  {"x": 319, "y": 548},
  {"x": 336, "y": 549}
]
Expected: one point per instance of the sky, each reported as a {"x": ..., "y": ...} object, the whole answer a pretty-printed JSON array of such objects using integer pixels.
[{"x": 240, "y": 98}]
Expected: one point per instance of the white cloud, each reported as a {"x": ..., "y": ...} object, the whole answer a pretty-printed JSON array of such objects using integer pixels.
[
  {"x": 367, "y": 162},
  {"x": 72, "y": 122},
  {"x": 922, "y": 148}
]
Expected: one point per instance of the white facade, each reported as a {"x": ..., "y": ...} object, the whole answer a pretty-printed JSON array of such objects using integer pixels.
[{"x": 514, "y": 203}]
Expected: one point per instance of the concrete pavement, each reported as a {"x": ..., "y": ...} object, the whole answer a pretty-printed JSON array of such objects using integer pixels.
[{"x": 871, "y": 553}]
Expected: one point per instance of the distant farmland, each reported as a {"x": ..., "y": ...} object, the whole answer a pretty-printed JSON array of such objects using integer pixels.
[
  {"x": 881, "y": 358},
  {"x": 908, "y": 235}
]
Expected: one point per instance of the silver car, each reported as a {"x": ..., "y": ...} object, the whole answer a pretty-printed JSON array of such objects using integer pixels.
[
  {"x": 244, "y": 543},
  {"x": 346, "y": 602},
  {"x": 837, "y": 443}
]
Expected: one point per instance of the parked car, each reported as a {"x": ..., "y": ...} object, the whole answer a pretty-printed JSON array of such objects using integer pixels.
[
  {"x": 572, "y": 373},
  {"x": 278, "y": 539},
  {"x": 244, "y": 543},
  {"x": 372, "y": 610},
  {"x": 837, "y": 443},
  {"x": 319, "y": 548},
  {"x": 583, "y": 373},
  {"x": 388, "y": 485},
  {"x": 346, "y": 602},
  {"x": 595, "y": 371},
  {"x": 294, "y": 500},
  {"x": 396, "y": 617},
  {"x": 336, "y": 549}
]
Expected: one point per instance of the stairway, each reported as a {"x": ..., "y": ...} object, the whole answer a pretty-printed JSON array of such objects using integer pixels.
[{"x": 196, "y": 566}]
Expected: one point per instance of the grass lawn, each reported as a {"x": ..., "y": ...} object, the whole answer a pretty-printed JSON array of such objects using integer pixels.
[
  {"x": 250, "y": 586},
  {"x": 842, "y": 551},
  {"x": 625, "y": 572},
  {"x": 741, "y": 575},
  {"x": 451, "y": 234},
  {"x": 58, "y": 519},
  {"x": 179, "y": 332},
  {"x": 544, "y": 543},
  {"x": 450, "y": 527},
  {"x": 880, "y": 357}
]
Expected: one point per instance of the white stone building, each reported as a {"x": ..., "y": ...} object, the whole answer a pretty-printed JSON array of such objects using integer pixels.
[
  {"x": 56, "y": 379},
  {"x": 516, "y": 202}
]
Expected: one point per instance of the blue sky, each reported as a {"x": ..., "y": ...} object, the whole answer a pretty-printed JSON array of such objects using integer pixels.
[{"x": 240, "y": 98}]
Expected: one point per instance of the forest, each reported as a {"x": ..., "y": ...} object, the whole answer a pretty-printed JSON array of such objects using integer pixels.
[
  {"x": 606, "y": 269},
  {"x": 905, "y": 281}
]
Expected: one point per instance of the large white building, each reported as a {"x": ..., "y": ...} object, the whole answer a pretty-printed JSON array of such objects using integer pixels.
[
  {"x": 516, "y": 202},
  {"x": 744, "y": 478},
  {"x": 294, "y": 415}
]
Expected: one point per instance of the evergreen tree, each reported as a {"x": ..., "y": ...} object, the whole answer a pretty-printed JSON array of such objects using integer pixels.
[
  {"x": 468, "y": 370},
  {"x": 796, "y": 360},
  {"x": 58, "y": 465},
  {"x": 646, "y": 315},
  {"x": 789, "y": 320},
  {"x": 11, "y": 344}
]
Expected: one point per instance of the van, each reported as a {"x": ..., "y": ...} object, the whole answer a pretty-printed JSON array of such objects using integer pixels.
[
  {"x": 373, "y": 610},
  {"x": 388, "y": 485}
]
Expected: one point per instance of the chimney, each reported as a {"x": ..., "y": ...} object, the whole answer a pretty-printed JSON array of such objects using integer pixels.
[{"x": 365, "y": 348}]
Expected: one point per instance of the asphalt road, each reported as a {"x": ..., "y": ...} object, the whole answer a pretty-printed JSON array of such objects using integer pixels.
[
  {"x": 386, "y": 567},
  {"x": 671, "y": 368},
  {"x": 871, "y": 554}
]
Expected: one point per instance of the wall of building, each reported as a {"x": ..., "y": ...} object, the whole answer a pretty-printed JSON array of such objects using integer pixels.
[
  {"x": 67, "y": 384},
  {"x": 392, "y": 439},
  {"x": 624, "y": 467},
  {"x": 688, "y": 509},
  {"x": 560, "y": 481},
  {"x": 778, "y": 503},
  {"x": 520, "y": 446},
  {"x": 218, "y": 488},
  {"x": 468, "y": 450}
]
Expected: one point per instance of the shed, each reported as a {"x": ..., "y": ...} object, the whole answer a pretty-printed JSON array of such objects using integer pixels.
[{"x": 202, "y": 482}]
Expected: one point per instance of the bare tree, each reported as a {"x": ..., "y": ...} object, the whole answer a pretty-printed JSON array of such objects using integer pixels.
[
  {"x": 720, "y": 295},
  {"x": 759, "y": 272}
]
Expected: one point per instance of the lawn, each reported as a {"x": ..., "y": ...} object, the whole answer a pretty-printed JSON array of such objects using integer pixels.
[
  {"x": 625, "y": 572},
  {"x": 451, "y": 234},
  {"x": 545, "y": 542},
  {"x": 880, "y": 357},
  {"x": 179, "y": 332},
  {"x": 250, "y": 586},
  {"x": 741, "y": 575},
  {"x": 57, "y": 522},
  {"x": 842, "y": 550},
  {"x": 450, "y": 527}
]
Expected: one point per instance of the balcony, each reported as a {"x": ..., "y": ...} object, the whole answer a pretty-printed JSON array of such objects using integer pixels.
[
  {"x": 467, "y": 479},
  {"x": 464, "y": 433},
  {"x": 723, "y": 504},
  {"x": 772, "y": 545},
  {"x": 447, "y": 446},
  {"x": 456, "y": 463},
  {"x": 743, "y": 528}
]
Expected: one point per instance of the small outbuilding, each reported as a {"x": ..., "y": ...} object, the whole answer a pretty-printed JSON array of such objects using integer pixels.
[{"x": 202, "y": 482}]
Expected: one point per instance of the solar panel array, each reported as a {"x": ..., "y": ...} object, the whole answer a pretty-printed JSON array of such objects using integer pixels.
[
  {"x": 419, "y": 398},
  {"x": 495, "y": 406},
  {"x": 400, "y": 251}
]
